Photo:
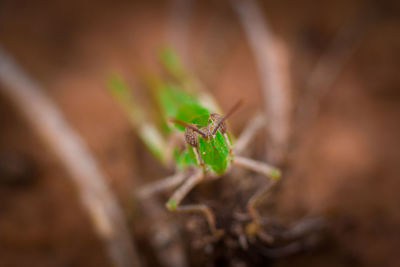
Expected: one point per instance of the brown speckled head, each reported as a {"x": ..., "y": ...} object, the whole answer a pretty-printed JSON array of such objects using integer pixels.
[{"x": 191, "y": 137}]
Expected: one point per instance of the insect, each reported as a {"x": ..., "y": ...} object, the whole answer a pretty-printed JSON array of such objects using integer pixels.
[{"x": 192, "y": 136}]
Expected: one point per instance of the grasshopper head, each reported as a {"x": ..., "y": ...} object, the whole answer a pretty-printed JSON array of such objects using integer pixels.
[
  {"x": 191, "y": 137},
  {"x": 216, "y": 122}
]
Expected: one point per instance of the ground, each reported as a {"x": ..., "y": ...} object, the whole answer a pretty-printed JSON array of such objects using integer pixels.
[{"x": 342, "y": 165}]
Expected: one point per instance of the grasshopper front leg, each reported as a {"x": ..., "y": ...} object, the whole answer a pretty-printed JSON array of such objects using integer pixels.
[
  {"x": 162, "y": 185},
  {"x": 173, "y": 203}
]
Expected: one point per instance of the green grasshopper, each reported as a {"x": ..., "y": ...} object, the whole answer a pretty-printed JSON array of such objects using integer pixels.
[{"x": 192, "y": 136}]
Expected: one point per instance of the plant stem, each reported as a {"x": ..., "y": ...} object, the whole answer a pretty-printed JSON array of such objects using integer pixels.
[
  {"x": 49, "y": 123},
  {"x": 272, "y": 61}
]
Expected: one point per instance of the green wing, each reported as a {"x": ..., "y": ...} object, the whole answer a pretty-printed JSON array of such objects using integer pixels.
[
  {"x": 185, "y": 158},
  {"x": 175, "y": 98},
  {"x": 176, "y": 103},
  {"x": 147, "y": 131},
  {"x": 171, "y": 62}
]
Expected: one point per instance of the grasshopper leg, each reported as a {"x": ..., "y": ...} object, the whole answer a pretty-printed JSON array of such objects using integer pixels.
[
  {"x": 262, "y": 168},
  {"x": 173, "y": 203},
  {"x": 161, "y": 185}
]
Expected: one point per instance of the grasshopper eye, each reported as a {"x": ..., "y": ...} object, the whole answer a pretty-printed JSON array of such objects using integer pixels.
[{"x": 191, "y": 137}]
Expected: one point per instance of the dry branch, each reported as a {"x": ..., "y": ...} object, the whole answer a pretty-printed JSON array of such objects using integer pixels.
[
  {"x": 250, "y": 130},
  {"x": 272, "y": 62},
  {"x": 49, "y": 123}
]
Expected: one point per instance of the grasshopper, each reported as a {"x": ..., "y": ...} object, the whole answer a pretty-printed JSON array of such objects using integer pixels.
[{"x": 190, "y": 117}]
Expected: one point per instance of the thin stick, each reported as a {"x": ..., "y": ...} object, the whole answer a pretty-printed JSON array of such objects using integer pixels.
[
  {"x": 49, "y": 123},
  {"x": 255, "y": 124},
  {"x": 272, "y": 62},
  {"x": 303, "y": 227},
  {"x": 290, "y": 249}
]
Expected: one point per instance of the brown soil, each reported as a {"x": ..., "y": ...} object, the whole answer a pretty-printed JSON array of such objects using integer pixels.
[{"x": 343, "y": 165}]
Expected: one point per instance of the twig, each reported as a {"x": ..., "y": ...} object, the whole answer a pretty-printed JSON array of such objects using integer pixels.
[
  {"x": 272, "y": 62},
  {"x": 303, "y": 227},
  {"x": 256, "y": 123},
  {"x": 290, "y": 249},
  {"x": 50, "y": 124}
]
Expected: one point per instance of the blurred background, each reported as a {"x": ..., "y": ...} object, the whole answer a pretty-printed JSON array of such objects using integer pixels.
[{"x": 338, "y": 63}]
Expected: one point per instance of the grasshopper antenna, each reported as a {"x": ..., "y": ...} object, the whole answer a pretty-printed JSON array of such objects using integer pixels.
[
  {"x": 228, "y": 114},
  {"x": 191, "y": 126}
]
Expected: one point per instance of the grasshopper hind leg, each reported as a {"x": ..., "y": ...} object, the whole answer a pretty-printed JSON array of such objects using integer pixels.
[{"x": 254, "y": 227}]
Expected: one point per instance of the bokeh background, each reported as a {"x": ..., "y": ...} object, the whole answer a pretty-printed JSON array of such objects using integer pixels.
[{"x": 343, "y": 157}]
